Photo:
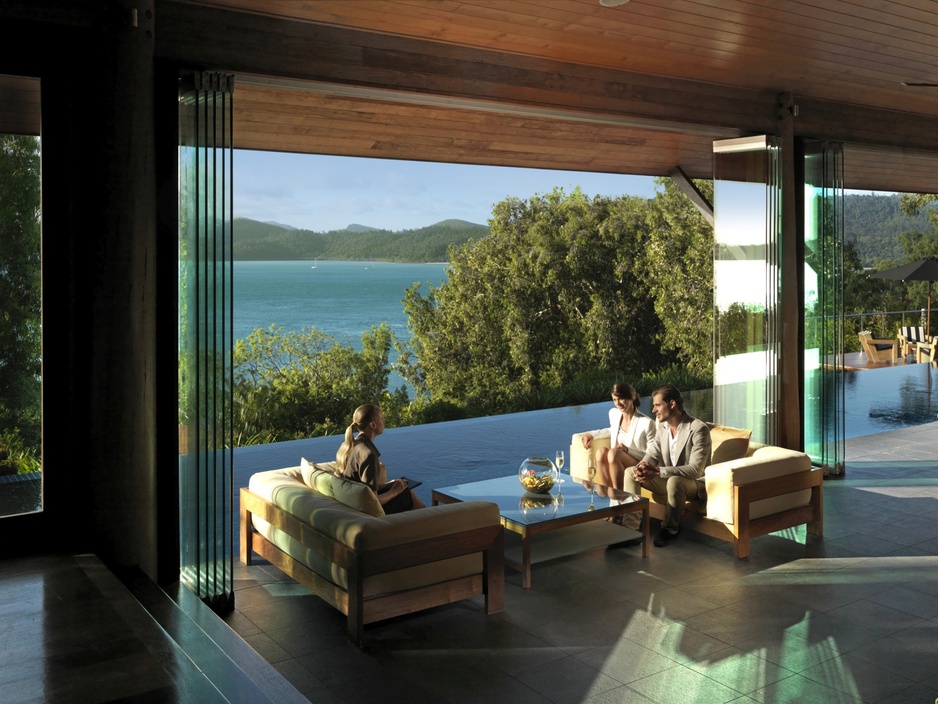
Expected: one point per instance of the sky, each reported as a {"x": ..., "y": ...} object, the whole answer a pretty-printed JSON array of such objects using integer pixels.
[{"x": 323, "y": 193}]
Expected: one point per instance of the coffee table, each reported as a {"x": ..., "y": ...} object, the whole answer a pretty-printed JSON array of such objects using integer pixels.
[{"x": 569, "y": 520}]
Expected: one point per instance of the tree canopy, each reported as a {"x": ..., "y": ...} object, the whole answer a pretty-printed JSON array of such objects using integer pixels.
[
  {"x": 564, "y": 285},
  {"x": 20, "y": 332},
  {"x": 300, "y": 384}
]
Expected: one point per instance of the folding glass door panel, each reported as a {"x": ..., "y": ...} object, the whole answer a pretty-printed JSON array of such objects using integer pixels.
[
  {"x": 824, "y": 305},
  {"x": 205, "y": 338},
  {"x": 747, "y": 225}
]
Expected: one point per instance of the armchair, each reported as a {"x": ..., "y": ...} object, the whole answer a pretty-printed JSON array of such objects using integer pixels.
[
  {"x": 878, "y": 350},
  {"x": 752, "y": 489},
  {"x": 910, "y": 337},
  {"x": 925, "y": 351}
]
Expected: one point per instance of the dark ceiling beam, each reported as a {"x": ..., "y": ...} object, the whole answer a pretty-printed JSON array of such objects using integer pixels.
[
  {"x": 20, "y": 114},
  {"x": 863, "y": 125}
]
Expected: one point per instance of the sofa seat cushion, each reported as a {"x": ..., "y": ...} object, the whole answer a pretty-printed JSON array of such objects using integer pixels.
[
  {"x": 362, "y": 532},
  {"x": 356, "y": 495},
  {"x": 695, "y": 505},
  {"x": 728, "y": 443},
  {"x": 765, "y": 462}
]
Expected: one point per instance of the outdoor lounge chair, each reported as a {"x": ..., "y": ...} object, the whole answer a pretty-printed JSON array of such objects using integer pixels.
[
  {"x": 909, "y": 339},
  {"x": 879, "y": 350},
  {"x": 925, "y": 351}
]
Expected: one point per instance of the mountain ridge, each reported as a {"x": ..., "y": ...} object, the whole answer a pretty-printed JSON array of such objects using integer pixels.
[
  {"x": 256, "y": 240},
  {"x": 873, "y": 225}
]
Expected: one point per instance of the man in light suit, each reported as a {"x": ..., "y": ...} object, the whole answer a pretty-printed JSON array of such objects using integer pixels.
[{"x": 674, "y": 460}]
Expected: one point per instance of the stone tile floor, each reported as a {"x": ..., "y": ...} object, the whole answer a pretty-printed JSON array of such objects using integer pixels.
[{"x": 850, "y": 618}]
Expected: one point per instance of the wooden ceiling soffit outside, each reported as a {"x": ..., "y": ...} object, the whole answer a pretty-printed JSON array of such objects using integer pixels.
[
  {"x": 314, "y": 120},
  {"x": 868, "y": 168},
  {"x": 310, "y": 121}
]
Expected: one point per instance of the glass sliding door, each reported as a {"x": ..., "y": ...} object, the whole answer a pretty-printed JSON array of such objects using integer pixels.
[
  {"x": 824, "y": 305},
  {"x": 747, "y": 225},
  {"x": 205, "y": 338}
]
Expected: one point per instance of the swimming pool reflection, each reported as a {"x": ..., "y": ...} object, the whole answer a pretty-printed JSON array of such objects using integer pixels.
[{"x": 454, "y": 452}]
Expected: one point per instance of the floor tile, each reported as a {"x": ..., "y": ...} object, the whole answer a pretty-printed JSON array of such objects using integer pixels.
[{"x": 850, "y": 618}]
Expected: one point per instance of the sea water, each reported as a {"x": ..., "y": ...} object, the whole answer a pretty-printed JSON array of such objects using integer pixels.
[
  {"x": 344, "y": 299},
  {"x": 341, "y": 299}
]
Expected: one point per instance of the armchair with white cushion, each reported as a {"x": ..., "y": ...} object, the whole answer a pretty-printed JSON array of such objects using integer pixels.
[{"x": 752, "y": 489}]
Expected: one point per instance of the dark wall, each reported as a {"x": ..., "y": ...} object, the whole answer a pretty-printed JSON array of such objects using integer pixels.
[{"x": 101, "y": 364}]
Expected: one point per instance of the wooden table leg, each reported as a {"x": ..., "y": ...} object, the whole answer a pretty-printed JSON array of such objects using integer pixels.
[{"x": 526, "y": 560}]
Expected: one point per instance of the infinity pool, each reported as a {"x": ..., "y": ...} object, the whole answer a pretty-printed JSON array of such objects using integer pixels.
[
  {"x": 455, "y": 452},
  {"x": 876, "y": 400}
]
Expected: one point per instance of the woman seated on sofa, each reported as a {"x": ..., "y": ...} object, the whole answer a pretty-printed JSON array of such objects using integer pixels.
[
  {"x": 357, "y": 459},
  {"x": 629, "y": 432}
]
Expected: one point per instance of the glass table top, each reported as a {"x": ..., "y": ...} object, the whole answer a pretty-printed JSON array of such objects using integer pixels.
[{"x": 568, "y": 498}]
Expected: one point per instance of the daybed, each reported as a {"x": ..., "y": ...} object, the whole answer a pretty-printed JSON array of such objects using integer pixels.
[
  {"x": 752, "y": 489},
  {"x": 331, "y": 535}
]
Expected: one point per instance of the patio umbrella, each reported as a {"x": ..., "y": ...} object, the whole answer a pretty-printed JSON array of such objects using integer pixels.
[{"x": 921, "y": 270}]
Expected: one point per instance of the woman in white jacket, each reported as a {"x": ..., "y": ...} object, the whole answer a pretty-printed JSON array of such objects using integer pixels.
[{"x": 629, "y": 432}]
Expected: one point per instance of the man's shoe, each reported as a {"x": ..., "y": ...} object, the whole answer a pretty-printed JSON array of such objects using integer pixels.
[{"x": 664, "y": 538}]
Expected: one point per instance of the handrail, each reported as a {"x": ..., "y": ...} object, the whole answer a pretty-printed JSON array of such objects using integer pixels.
[{"x": 882, "y": 324}]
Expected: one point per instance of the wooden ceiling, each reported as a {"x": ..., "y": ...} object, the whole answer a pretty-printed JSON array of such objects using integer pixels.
[
  {"x": 640, "y": 88},
  {"x": 846, "y": 51},
  {"x": 838, "y": 53}
]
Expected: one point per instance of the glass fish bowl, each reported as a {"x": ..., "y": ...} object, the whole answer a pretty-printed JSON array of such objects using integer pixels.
[
  {"x": 538, "y": 507},
  {"x": 538, "y": 475}
]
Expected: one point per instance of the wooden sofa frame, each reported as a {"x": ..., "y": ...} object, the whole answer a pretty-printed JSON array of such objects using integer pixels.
[
  {"x": 745, "y": 529},
  {"x": 360, "y": 610}
]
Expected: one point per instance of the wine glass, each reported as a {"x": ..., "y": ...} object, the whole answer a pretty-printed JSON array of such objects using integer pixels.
[{"x": 558, "y": 462}]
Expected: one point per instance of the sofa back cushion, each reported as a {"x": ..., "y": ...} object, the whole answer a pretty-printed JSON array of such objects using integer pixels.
[
  {"x": 322, "y": 478},
  {"x": 728, "y": 443}
]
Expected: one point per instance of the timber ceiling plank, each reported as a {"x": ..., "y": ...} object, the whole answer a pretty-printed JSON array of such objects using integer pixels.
[{"x": 674, "y": 64}]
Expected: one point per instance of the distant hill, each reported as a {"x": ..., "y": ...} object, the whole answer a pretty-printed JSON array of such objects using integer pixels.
[
  {"x": 255, "y": 240},
  {"x": 278, "y": 224},
  {"x": 874, "y": 223}
]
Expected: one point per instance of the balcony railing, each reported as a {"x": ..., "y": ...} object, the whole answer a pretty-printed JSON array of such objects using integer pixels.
[{"x": 883, "y": 324}]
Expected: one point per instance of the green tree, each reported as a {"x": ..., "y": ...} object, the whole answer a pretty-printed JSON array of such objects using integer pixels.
[
  {"x": 20, "y": 291},
  {"x": 680, "y": 266},
  {"x": 291, "y": 385},
  {"x": 919, "y": 244},
  {"x": 557, "y": 290}
]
